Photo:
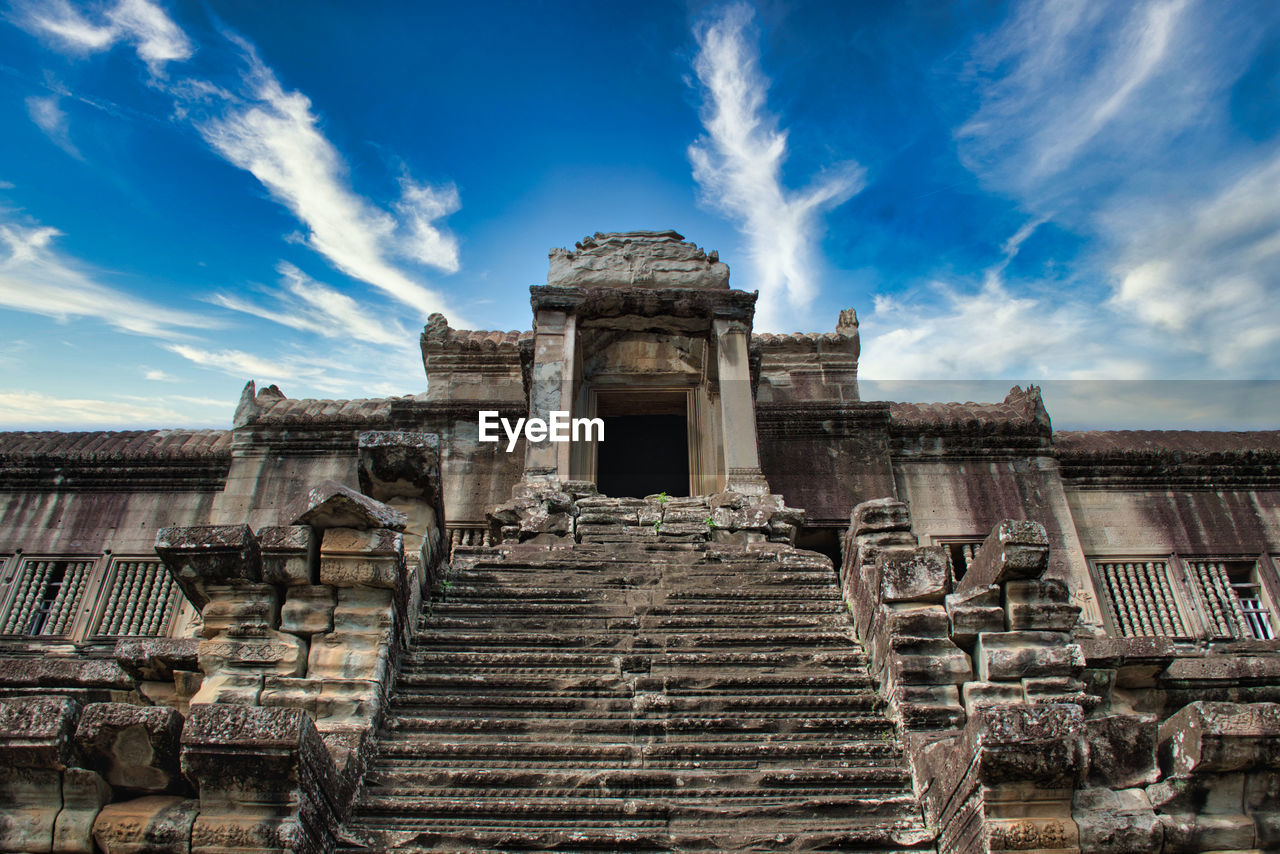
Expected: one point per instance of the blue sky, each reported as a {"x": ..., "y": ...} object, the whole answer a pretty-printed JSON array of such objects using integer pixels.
[{"x": 197, "y": 194}]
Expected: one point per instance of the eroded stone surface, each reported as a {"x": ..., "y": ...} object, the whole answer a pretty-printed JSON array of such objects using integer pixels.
[
  {"x": 154, "y": 824},
  {"x": 332, "y": 505},
  {"x": 135, "y": 748},
  {"x": 637, "y": 259}
]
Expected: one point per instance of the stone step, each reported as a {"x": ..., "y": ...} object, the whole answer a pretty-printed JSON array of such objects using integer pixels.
[
  {"x": 868, "y": 808},
  {"x": 702, "y": 683},
  {"x": 425, "y": 661},
  {"x": 633, "y": 835},
  {"x": 618, "y": 782},
  {"x": 423, "y": 704},
  {"x": 460, "y": 750},
  {"x": 649, "y": 696}
]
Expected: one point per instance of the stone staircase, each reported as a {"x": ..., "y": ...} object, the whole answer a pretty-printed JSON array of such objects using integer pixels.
[{"x": 638, "y": 692}]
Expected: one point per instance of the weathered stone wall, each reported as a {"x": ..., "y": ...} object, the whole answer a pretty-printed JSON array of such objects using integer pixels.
[{"x": 1189, "y": 522}]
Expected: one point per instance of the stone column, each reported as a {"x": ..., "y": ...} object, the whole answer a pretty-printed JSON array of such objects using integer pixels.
[
  {"x": 741, "y": 455},
  {"x": 552, "y": 388}
]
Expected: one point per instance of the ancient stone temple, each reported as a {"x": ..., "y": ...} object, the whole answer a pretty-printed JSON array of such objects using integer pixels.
[{"x": 737, "y": 608}]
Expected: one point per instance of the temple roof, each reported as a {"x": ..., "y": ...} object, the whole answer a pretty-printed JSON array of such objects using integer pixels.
[{"x": 104, "y": 445}]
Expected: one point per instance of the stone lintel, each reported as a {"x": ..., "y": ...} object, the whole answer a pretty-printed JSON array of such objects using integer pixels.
[
  {"x": 200, "y": 555},
  {"x": 682, "y": 303}
]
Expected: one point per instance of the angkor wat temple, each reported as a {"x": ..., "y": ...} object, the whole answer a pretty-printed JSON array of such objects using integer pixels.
[{"x": 762, "y": 614}]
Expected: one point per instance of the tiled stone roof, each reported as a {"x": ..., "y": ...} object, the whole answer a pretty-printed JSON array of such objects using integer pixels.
[
  {"x": 1003, "y": 417},
  {"x": 439, "y": 337},
  {"x": 103, "y": 445},
  {"x": 1165, "y": 442},
  {"x": 284, "y": 410}
]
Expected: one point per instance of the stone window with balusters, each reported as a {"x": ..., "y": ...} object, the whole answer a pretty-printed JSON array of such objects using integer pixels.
[
  {"x": 1188, "y": 597},
  {"x": 82, "y": 598}
]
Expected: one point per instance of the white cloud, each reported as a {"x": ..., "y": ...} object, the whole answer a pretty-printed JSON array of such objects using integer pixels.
[
  {"x": 348, "y": 371},
  {"x": 52, "y": 119},
  {"x": 738, "y": 165},
  {"x": 35, "y": 277},
  {"x": 237, "y": 363},
  {"x": 276, "y": 137},
  {"x": 1115, "y": 117},
  {"x": 1205, "y": 273},
  {"x": 992, "y": 332},
  {"x": 159, "y": 376},
  {"x": 27, "y": 409},
  {"x": 310, "y": 306},
  {"x": 154, "y": 36},
  {"x": 1075, "y": 75},
  {"x": 6, "y": 185}
]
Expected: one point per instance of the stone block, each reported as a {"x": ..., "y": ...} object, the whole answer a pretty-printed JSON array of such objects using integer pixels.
[
  {"x": 279, "y": 653},
  {"x": 83, "y": 794},
  {"x": 30, "y": 799},
  {"x": 1058, "y": 689},
  {"x": 150, "y": 825},
  {"x": 397, "y": 464},
  {"x": 202, "y": 555},
  {"x": 1116, "y": 822},
  {"x": 288, "y": 553},
  {"x": 1042, "y": 744},
  {"x": 1012, "y": 551},
  {"x": 972, "y": 613},
  {"x": 1122, "y": 750},
  {"x": 135, "y": 748},
  {"x": 927, "y": 707},
  {"x": 350, "y": 557},
  {"x": 92, "y": 678},
  {"x": 878, "y": 515},
  {"x": 1040, "y": 604},
  {"x": 916, "y": 661},
  {"x": 978, "y": 694},
  {"x": 291, "y": 692},
  {"x": 230, "y": 687},
  {"x": 308, "y": 610},
  {"x": 266, "y": 780},
  {"x": 1218, "y": 738},
  {"x": 248, "y": 610},
  {"x": 339, "y": 655},
  {"x": 332, "y": 505},
  {"x": 1037, "y": 616},
  {"x": 918, "y": 575},
  {"x": 1192, "y": 833},
  {"x": 37, "y": 732},
  {"x": 1019, "y": 655},
  {"x": 157, "y": 659}
]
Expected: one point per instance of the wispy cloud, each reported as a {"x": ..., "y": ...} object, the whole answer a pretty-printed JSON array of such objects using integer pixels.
[
  {"x": 1070, "y": 71},
  {"x": 158, "y": 376},
  {"x": 274, "y": 135},
  {"x": 49, "y": 116},
  {"x": 36, "y": 277},
  {"x": 1205, "y": 274},
  {"x": 153, "y": 35},
  {"x": 1116, "y": 117},
  {"x": 26, "y": 409},
  {"x": 350, "y": 370},
  {"x": 309, "y": 306},
  {"x": 956, "y": 333},
  {"x": 738, "y": 167}
]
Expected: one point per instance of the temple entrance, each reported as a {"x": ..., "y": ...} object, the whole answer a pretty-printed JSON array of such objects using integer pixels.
[{"x": 646, "y": 443}]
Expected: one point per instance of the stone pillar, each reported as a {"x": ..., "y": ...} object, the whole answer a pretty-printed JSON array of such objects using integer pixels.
[
  {"x": 741, "y": 454},
  {"x": 267, "y": 784},
  {"x": 555, "y": 334}
]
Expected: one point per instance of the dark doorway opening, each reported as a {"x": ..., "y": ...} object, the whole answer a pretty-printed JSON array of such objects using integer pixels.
[{"x": 646, "y": 444}]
